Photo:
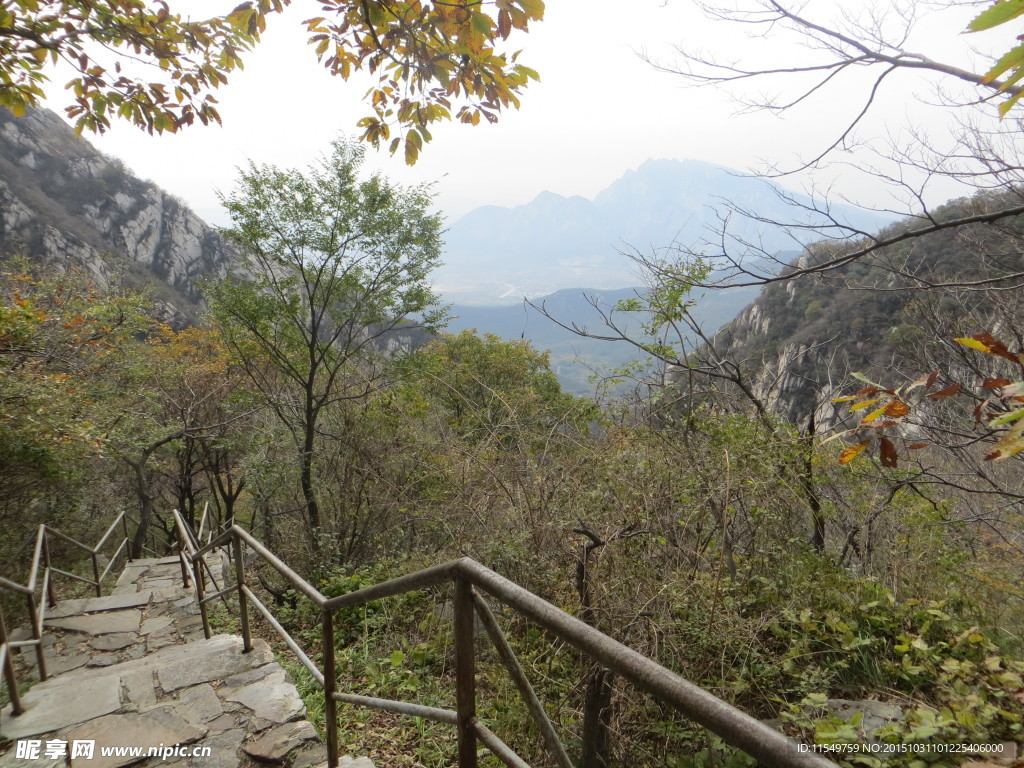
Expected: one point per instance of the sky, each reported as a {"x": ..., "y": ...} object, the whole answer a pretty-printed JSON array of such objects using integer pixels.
[{"x": 599, "y": 110}]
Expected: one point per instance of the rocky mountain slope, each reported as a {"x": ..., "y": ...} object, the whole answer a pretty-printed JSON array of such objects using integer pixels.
[
  {"x": 892, "y": 316},
  {"x": 64, "y": 203}
]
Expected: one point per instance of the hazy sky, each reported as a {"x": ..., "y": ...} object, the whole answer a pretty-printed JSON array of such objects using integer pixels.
[{"x": 598, "y": 111}]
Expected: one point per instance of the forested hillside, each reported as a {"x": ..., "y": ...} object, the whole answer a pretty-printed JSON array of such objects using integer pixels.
[
  {"x": 891, "y": 316},
  {"x": 716, "y": 535}
]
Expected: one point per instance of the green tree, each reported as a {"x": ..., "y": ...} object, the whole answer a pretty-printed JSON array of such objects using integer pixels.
[
  {"x": 493, "y": 388},
  {"x": 427, "y": 56},
  {"x": 175, "y": 396},
  {"x": 60, "y": 338},
  {"x": 337, "y": 265}
]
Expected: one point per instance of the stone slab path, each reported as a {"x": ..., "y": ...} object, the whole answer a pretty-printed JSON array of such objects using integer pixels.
[{"x": 133, "y": 669}]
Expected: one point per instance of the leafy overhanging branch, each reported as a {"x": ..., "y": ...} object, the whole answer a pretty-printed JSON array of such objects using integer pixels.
[{"x": 159, "y": 69}]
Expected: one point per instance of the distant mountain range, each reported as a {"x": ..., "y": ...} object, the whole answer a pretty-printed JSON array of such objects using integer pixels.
[
  {"x": 497, "y": 255},
  {"x": 575, "y": 358}
]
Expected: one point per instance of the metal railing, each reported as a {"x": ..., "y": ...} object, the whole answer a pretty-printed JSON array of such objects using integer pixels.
[
  {"x": 470, "y": 579},
  {"x": 36, "y": 606}
]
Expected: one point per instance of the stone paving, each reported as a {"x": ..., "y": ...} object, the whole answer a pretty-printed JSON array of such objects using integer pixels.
[{"x": 133, "y": 669}]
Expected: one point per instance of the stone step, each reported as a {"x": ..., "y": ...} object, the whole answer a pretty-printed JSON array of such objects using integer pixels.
[
  {"x": 133, "y": 670},
  {"x": 204, "y": 693}
]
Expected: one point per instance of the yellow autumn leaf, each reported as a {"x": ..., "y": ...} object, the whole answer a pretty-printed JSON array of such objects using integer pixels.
[
  {"x": 973, "y": 344},
  {"x": 853, "y": 452},
  {"x": 873, "y": 415},
  {"x": 865, "y": 404}
]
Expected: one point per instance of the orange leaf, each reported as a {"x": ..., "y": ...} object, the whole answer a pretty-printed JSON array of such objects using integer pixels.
[
  {"x": 996, "y": 347},
  {"x": 897, "y": 409},
  {"x": 949, "y": 391},
  {"x": 917, "y": 446},
  {"x": 995, "y": 383},
  {"x": 887, "y": 453},
  {"x": 852, "y": 452},
  {"x": 978, "y": 411}
]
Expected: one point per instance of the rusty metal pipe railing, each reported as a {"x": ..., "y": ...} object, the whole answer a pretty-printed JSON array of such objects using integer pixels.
[
  {"x": 526, "y": 692},
  {"x": 7, "y": 668},
  {"x": 37, "y": 551},
  {"x": 202, "y": 524},
  {"x": 287, "y": 638},
  {"x": 214, "y": 595},
  {"x": 428, "y": 577},
  {"x": 109, "y": 533},
  {"x": 297, "y": 581},
  {"x": 36, "y": 610},
  {"x": 74, "y": 576},
  {"x": 10, "y": 585},
  {"x": 220, "y": 541},
  {"x": 499, "y": 748},
  {"x": 198, "y": 553},
  {"x": 68, "y": 540},
  {"x": 465, "y": 672},
  {"x": 732, "y": 725},
  {"x": 113, "y": 559},
  {"x": 449, "y": 716}
]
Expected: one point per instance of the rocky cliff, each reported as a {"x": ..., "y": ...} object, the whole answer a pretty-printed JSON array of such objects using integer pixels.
[
  {"x": 891, "y": 316},
  {"x": 63, "y": 203}
]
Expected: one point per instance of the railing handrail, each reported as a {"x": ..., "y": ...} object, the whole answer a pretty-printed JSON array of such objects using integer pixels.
[
  {"x": 721, "y": 718},
  {"x": 37, "y": 612}
]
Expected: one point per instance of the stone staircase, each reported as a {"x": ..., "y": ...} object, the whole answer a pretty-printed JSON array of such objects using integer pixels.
[{"x": 134, "y": 670}]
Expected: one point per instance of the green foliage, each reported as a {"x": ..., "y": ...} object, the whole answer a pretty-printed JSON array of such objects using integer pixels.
[
  {"x": 1002, "y": 12},
  {"x": 426, "y": 56},
  {"x": 59, "y": 336},
  {"x": 336, "y": 265},
  {"x": 195, "y": 58},
  {"x": 666, "y": 306},
  {"x": 952, "y": 681},
  {"x": 331, "y": 257},
  {"x": 494, "y": 389}
]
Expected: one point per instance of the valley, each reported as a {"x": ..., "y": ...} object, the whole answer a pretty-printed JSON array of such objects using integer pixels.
[{"x": 803, "y": 496}]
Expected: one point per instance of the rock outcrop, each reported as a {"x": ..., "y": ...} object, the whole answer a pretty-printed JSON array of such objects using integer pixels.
[{"x": 65, "y": 204}]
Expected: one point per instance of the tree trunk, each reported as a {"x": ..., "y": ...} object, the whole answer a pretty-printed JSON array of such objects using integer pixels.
[
  {"x": 810, "y": 492},
  {"x": 145, "y": 505},
  {"x": 597, "y": 716},
  {"x": 308, "y": 493},
  {"x": 597, "y": 703}
]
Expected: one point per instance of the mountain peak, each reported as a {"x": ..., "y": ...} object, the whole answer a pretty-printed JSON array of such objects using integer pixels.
[{"x": 557, "y": 242}]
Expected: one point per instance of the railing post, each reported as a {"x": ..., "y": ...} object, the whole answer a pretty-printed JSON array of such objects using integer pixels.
[
  {"x": 37, "y": 634},
  {"x": 181, "y": 561},
  {"x": 51, "y": 590},
  {"x": 197, "y": 568},
  {"x": 330, "y": 687},
  {"x": 243, "y": 606},
  {"x": 465, "y": 672},
  {"x": 96, "y": 574},
  {"x": 127, "y": 536},
  {"x": 8, "y": 672}
]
